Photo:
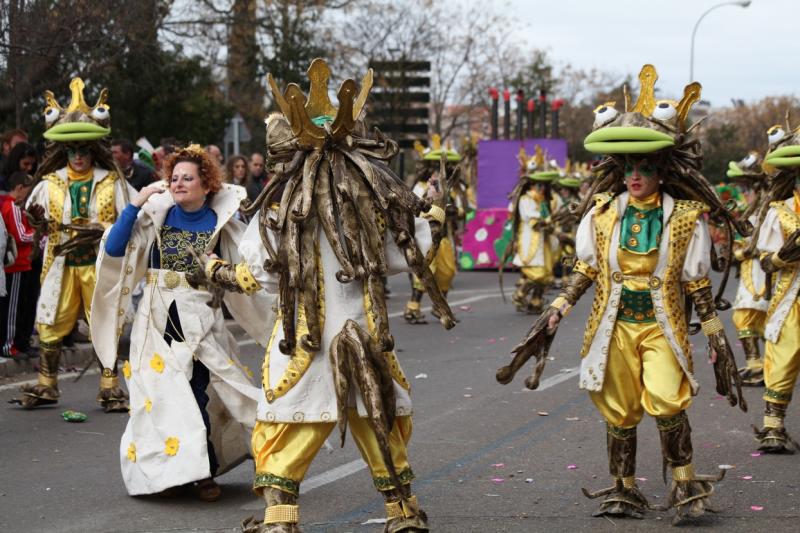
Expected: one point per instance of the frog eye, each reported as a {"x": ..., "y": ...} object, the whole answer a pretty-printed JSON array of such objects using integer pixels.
[
  {"x": 51, "y": 114},
  {"x": 664, "y": 110},
  {"x": 604, "y": 114},
  {"x": 100, "y": 113},
  {"x": 748, "y": 161},
  {"x": 775, "y": 134}
]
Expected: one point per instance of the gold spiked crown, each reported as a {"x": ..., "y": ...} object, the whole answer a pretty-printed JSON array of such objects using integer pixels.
[{"x": 314, "y": 119}]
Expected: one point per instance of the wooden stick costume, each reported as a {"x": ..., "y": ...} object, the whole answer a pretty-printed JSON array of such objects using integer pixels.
[
  {"x": 534, "y": 244},
  {"x": 777, "y": 243},
  {"x": 78, "y": 205},
  {"x": 649, "y": 255},
  {"x": 751, "y": 304},
  {"x": 439, "y": 175},
  {"x": 343, "y": 222}
]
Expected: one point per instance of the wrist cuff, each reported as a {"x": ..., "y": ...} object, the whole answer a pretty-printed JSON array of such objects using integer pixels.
[{"x": 712, "y": 326}]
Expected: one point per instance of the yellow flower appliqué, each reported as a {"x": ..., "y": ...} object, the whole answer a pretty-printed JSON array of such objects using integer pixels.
[
  {"x": 132, "y": 452},
  {"x": 126, "y": 370},
  {"x": 148, "y": 405},
  {"x": 157, "y": 363},
  {"x": 171, "y": 445}
]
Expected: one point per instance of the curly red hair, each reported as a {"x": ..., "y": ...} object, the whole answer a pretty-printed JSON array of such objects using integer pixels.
[{"x": 210, "y": 172}]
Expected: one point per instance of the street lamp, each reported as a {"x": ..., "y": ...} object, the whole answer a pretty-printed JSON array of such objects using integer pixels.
[{"x": 740, "y": 3}]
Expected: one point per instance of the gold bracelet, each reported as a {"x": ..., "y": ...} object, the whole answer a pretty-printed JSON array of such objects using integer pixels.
[
  {"x": 436, "y": 213},
  {"x": 683, "y": 473},
  {"x": 776, "y": 260},
  {"x": 712, "y": 326},
  {"x": 562, "y": 304},
  {"x": 773, "y": 421},
  {"x": 629, "y": 482},
  {"x": 289, "y": 514}
]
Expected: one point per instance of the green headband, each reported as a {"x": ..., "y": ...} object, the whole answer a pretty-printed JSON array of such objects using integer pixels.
[{"x": 435, "y": 155}]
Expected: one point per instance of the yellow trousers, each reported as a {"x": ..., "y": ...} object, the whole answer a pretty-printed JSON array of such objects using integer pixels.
[
  {"x": 782, "y": 359},
  {"x": 77, "y": 287},
  {"x": 283, "y": 451},
  {"x": 642, "y": 373},
  {"x": 443, "y": 267},
  {"x": 749, "y": 322},
  {"x": 541, "y": 274}
]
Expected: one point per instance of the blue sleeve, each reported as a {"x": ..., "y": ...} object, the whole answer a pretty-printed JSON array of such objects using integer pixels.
[{"x": 121, "y": 231}]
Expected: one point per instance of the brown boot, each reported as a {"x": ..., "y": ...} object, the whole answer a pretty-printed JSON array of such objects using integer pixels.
[
  {"x": 111, "y": 396},
  {"x": 281, "y": 516},
  {"x": 773, "y": 438},
  {"x": 753, "y": 373},
  {"x": 623, "y": 499},
  {"x": 403, "y": 512},
  {"x": 45, "y": 392},
  {"x": 689, "y": 492}
]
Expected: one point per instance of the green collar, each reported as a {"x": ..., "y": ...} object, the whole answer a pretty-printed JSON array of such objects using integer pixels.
[{"x": 641, "y": 229}]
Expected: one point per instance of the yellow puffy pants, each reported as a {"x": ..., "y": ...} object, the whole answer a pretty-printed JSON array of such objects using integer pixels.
[
  {"x": 443, "y": 267},
  {"x": 284, "y": 451},
  {"x": 782, "y": 359},
  {"x": 77, "y": 287},
  {"x": 749, "y": 322},
  {"x": 642, "y": 373}
]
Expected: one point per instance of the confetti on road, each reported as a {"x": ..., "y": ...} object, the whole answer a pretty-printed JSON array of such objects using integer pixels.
[
  {"x": 529, "y": 480},
  {"x": 727, "y": 467},
  {"x": 755, "y": 454},
  {"x": 573, "y": 418},
  {"x": 756, "y": 507},
  {"x": 641, "y": 479},
  {"x": 499, "y": 465},
  {"x": 421, "y": 376},
  {"x": 497, "y": 480},
  {"x": 491, "y": 341},
  {"x": 747, "y": 478},
  {"x": 572, "y": 467},
  {"x": 468, "y": 396},
  {"x": 465, "y": 307},
  {"x": 542, "y": 413}
]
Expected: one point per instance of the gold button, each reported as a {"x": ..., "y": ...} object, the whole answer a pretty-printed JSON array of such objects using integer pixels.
[
  {"x": 617, "y": 277},
  {"x": 633, "y": 242},
  {"x": 654, "y": 282},
  {"x": 125, "y": 291},
  {"x": 640, "y": 216},
  {"x": 636, "y": 228}
]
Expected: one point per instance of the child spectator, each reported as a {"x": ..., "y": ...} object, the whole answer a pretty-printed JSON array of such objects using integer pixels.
[{"x": 17, "y": 308}]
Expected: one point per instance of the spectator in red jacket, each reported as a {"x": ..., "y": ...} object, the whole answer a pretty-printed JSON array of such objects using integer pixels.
[{"x": 17, "y": 308}]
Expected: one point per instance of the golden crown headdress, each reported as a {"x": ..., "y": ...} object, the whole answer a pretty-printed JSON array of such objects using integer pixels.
[{"x": 300, "y": 111}]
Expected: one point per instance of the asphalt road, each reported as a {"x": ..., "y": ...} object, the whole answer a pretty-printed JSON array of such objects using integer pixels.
[{"x": 487, "y": 457}]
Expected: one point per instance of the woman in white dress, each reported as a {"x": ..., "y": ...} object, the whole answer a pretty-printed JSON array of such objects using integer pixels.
[{"x": 192, "y": 402}]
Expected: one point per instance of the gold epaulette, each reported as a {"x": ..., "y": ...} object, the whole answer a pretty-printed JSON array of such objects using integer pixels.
[
  {"x": 777, "y": 204},
  {"x": 602, "y": 198},
  {"x": 690, "y": 205}
]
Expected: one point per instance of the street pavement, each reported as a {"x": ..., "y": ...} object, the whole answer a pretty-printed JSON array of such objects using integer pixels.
[{"x": 487, "y": 457}]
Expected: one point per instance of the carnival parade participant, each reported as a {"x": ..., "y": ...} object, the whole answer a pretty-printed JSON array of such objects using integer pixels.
[
  {"x": 534, "y": 243},
  {"x": 330, "y": 357},
  {"x": 192, "y": 403},
  {"x": 777, "y": 241},
  {"x": 644, "y": 242},
  {"x": 567, "y": 188},
  {"x": 80, "y": 193},
  {"x": 452, "y": 193},
  {"x": 750, "y": 306}
]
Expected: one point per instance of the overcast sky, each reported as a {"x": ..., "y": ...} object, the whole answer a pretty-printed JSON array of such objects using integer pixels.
[{"x": 739, "y": 53}]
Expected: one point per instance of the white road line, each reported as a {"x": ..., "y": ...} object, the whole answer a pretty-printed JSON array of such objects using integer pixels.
[
  {"x": 67, "y": 375},
  {"x": 352, "y": 467}
]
